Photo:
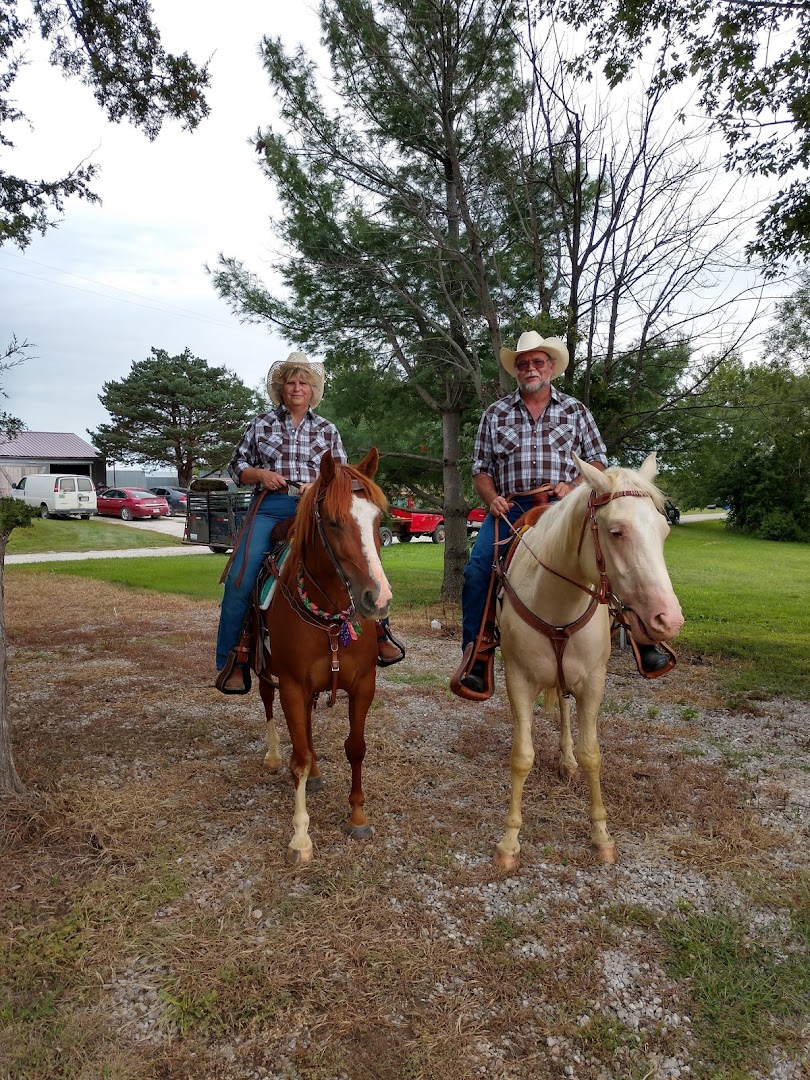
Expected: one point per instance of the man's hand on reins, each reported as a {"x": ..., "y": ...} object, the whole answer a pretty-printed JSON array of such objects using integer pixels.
[{"x": 500, "y": 507}]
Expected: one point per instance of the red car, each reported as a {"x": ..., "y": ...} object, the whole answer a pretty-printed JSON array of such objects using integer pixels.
[{"x": 129, "y": 503}]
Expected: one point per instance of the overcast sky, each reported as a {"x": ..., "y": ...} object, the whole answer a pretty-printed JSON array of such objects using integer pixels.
[{"x": 114, "y": 280}]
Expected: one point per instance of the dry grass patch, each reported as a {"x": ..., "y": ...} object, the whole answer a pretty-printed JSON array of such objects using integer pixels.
[{"x": 153, "y": 929}]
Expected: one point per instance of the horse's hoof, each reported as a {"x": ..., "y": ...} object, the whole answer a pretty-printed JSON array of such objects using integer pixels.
[
  {"x": 359, "y": 832},
  {"x": 272, "y": 764},
  {"x": 568, "y": 772},
  {"x": 314, "y": 783},
  {"x": 507, "y": 860},
  {"x": 606, "y": 854},
  {"x": 299, "y": 856}
]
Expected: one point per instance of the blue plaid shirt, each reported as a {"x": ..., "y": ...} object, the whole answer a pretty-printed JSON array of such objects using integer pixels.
[
  {"x": 521, "y": 454},
  {"x": 273, "y": 442}
]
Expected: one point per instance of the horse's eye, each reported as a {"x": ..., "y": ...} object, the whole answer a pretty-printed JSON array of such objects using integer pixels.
[
  {"x": 616, "y": 533},
  {"x": 333, "y": 524}
]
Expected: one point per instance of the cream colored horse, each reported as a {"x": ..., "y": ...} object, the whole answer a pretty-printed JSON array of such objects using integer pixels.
[{"x": 555, "y": 561}]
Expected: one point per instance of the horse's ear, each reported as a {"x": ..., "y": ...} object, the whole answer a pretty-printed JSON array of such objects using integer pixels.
[
  {"x": 368, "y": 466},
  {"x": 327, "y": 468},
  {"x": 594, "y": 478},
  {"x": 649, "y": 467}
]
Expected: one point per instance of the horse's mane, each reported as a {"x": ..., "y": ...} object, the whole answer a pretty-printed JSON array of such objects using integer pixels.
[
  {"x": 335, "y": 500},
  {"x": 560, "y": 526}
]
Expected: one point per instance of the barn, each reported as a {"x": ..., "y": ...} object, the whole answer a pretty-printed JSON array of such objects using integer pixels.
[{"x": 48, "y": 452}]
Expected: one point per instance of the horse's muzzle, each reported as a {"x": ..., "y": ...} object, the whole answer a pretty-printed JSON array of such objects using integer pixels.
[
  {"x": 368, "y": 605},
  {"x": 662, "y": 627}
]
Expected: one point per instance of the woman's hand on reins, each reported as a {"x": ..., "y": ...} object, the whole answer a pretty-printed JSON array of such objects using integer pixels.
[{"x": 269, "y": 480}]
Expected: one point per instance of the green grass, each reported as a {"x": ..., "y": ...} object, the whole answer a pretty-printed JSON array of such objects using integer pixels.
[
  {"x": 745, "y": 601},
  {"x": 743, "y": 993},
  {"x": 93, "y": 535},
  {"x": 417, "y": 570},
  {"x": 185, "y": 575}
]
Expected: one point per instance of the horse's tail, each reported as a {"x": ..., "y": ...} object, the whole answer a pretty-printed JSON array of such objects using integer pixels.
[{"x": 550, "y": 699}]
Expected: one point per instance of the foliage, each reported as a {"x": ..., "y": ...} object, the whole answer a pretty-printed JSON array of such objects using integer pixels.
[
  {"x": 790, "y": 335},
  {"x": 750, "y": 440},
  {"x": 175, "y": 411},
  {"x": 465, "y": 190},
  {"x": 14, "y": 514},
  {"x": 113, "y": 47},
  {"x": 16, "y": 352},
  {"x": 752, "y": 64},
  {"x": 372, "y": 406},
  {"x": 393, "y": 225}
]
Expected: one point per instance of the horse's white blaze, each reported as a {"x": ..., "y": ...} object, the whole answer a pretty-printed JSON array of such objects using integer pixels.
[{"x": 365, "y": 513}]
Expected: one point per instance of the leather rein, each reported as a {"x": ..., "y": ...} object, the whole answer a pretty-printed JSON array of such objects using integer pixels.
[{"x": 559, "y": 636}]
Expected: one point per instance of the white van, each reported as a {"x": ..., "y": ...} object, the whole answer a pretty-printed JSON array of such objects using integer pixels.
[{"x": 58, "y": 495}]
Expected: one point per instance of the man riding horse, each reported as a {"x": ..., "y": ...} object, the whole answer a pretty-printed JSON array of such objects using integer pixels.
[{"x": 524, "y": 451}]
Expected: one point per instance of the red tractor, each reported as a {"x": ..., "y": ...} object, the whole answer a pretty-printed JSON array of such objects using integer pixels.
[{"x": 406, "y": 524}]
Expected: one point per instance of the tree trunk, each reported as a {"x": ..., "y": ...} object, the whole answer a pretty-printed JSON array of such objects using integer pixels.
[
  {"x": 10, "y": 783},
  {"x": 455, "y": 508}
]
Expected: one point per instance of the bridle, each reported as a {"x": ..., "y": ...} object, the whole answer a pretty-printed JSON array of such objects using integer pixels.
[
  {"x": 342, "y": 627},
  {"x": 559, "y": 636}
]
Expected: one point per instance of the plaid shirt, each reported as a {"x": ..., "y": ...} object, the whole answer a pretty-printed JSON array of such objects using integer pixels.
[
  {"x": 273, "y": 442},
  {"x": 521, "y": 454}
]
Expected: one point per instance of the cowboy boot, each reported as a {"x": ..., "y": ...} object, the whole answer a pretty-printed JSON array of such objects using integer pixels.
[
  {"x": 652, "y": 658},
  {"x": 389, "y": 650}
]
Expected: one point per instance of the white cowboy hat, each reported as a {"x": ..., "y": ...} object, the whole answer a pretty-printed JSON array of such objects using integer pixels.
[
  {"x": 529, "y": 342},
  {"x": 282, "y": 369}
]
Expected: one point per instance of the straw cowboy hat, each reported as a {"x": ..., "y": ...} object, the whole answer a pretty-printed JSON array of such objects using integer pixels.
[
  {"x": 281, "y": 371},
  {"x": 529, "y": 342}
]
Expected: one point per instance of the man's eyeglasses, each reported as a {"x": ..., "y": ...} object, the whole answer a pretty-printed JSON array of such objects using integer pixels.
[{"x": 524, "y": 365}]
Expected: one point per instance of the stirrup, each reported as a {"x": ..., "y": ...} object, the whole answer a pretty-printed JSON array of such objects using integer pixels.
[
  {"x": 673, "y": 659},
  {"x": 386, "y": 635},
  {"x": 231, "y": 663},
  {"x": 485, "y": 656}
]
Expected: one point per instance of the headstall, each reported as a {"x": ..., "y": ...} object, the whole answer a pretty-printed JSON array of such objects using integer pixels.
[{"x": 559, "y": 636}]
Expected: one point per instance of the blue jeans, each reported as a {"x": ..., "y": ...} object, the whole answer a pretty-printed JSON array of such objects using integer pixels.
[
  {"x": 236, "y": 599},
  {"x": 478, "y": 569}
]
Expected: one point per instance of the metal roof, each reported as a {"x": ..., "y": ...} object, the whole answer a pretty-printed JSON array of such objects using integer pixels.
[{"x": 48, "y": 445}]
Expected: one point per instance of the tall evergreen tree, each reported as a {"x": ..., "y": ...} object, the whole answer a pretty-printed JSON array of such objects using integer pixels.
[{"x": 175, "y": 411}]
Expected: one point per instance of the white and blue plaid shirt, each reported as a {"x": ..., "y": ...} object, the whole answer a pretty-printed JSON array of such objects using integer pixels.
[
  {"x": 521, "y": 454},
  {"x": 273, "y": 442}
]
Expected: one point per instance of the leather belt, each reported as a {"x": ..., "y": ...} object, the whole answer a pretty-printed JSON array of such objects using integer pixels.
[{"x": 537, "y": 496}]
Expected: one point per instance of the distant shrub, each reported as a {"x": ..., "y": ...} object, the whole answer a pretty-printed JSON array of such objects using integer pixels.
[{"x": 779, "y": 525}]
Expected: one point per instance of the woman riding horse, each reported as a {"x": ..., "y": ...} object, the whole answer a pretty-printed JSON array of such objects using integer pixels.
[{"x": 280, "y": 454}]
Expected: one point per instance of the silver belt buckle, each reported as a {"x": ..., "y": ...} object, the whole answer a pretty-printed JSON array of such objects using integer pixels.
[{"x": 293, "y": 489}]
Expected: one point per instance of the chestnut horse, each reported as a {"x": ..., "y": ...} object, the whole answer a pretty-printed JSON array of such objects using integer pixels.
[
  {"x": 598, "y": 551},
  {"x": 321, "y": 631}
]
